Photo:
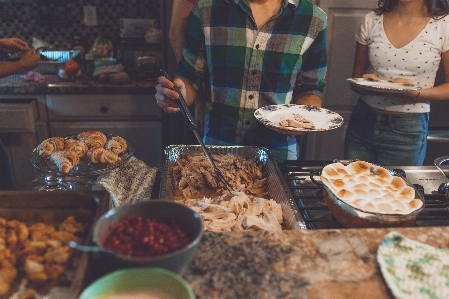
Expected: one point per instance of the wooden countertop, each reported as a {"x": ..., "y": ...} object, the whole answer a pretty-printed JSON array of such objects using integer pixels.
[{"x": 313, "y": 264}]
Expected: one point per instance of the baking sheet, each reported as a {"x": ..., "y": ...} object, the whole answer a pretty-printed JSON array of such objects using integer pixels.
[
  {"x": 52, "y": 208},
  {"x": 277, "y": 187}
]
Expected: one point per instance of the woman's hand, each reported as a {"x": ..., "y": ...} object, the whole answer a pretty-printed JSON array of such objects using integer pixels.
[
  {"x": 166, "y": 97},
  {"x": 30, "y": 60},
  {"x": 14, "y": 44},
  {"x": 370, "y": 77}
]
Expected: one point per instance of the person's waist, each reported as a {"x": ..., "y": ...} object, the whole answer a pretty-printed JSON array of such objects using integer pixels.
[{"x": 382, "y": 111}]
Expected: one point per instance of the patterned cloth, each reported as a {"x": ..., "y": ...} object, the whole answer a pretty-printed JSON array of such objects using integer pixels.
[
  {"x": 130, "y": 182},
  {"x": 412, "y": 269},
  {"x": 249, "y": 68}
]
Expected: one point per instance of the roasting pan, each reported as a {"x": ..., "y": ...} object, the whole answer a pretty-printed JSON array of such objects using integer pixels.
[
  {"x": 52, "y": 208},
  {"x": 277, "y": 187}
]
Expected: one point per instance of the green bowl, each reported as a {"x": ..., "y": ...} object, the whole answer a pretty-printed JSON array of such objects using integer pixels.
[{"x": 139, "y": 279}]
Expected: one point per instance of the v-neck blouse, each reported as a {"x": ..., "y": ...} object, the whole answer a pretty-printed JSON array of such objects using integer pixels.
[{"x": 417, "y": 61}]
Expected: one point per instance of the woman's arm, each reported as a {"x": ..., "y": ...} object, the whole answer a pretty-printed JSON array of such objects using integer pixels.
[
  {"x": 438, "y": 93},
  {"x": 361, "y": 61},
  {"x": 29, "y": 61},
  {"x": 180, "y": 12}
]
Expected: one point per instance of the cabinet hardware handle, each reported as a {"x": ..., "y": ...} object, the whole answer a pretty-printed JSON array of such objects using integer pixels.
[{"x": 104, "y": 109}]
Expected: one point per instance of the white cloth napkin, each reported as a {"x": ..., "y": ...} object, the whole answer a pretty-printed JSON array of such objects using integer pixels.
[
  {"x": 131, "y": 182},
  {"x": 413, "y": 269}
]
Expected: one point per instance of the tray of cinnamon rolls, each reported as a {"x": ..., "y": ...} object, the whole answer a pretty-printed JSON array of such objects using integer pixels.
[{"x": 86, "y": 153}]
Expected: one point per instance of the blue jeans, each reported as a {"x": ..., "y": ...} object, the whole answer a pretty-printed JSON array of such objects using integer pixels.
[{"x": 386, "y": 139}]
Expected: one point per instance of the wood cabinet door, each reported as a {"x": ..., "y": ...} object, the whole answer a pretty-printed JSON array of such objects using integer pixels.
[
  {"x": 145, "y": 136},
  {"x": 343, "y": 20}
]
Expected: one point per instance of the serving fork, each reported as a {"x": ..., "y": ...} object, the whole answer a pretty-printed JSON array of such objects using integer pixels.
[{"x": 194, "y": 127}]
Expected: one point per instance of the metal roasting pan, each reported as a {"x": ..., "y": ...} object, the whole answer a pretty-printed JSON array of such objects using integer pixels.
[
  {"x": 277, "y": 187},
  {"x": 52, "y": 208}
]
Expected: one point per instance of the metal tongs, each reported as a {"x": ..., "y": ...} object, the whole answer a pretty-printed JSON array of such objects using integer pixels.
[
  {"x": 194, "y": 127},
  {"x": 438, "y": 162}
]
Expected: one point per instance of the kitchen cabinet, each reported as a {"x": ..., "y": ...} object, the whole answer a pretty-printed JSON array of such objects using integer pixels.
[
  {"x": 135, "y": 117},
  {"x": 22, "y": 126},
  {"x": 343, "y": 20}
]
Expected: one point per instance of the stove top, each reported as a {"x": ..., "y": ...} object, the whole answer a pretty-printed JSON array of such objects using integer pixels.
[{"x": 309, "y": 198}]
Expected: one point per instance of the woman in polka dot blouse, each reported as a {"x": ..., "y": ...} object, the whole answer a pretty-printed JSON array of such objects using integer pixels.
[{"x": 403, "y": 41}]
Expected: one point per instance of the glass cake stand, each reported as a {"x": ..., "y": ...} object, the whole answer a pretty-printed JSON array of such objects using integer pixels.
[{"x": 81, "y": 178}]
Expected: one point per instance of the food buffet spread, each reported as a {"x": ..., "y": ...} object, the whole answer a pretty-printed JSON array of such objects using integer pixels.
[
  {"x": 284, "y": 232},
  {"x": 259, "y": 241}
]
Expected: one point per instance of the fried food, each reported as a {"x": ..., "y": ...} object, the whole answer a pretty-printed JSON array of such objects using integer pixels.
[
  {"x": 38, "y": 252},
  {"x": 49, "y": 146},
  {"x": 91, "y": 145},
  {"x": 298, "y": 121}
]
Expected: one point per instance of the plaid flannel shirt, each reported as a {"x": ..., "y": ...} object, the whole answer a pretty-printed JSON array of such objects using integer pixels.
[{"x": 249, "y": 68}]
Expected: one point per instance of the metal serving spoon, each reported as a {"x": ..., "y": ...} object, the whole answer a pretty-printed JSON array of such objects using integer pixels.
[
  {"x": 194, "y": 127},
  {"x": 90, "y": 248}
]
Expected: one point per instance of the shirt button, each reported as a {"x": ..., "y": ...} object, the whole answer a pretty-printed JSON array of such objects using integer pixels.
[
  {"x": 376, "y": 132},
  {"x": 257, "y": 46},
  {"x": 250, "y": 97}
]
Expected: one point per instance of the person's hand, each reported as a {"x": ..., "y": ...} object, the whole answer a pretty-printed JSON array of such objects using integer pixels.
[
  {"x": 371, "y": 77},
  {"x": 288, "y": 132},
  {"x": 14, "y": 44},
  {"x": 30, "y": 60},
  {"x": 166, "y": 97}
]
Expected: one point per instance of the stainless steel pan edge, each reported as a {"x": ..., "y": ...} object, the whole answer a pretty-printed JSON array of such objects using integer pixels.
[{"x": 277, "y": 187}]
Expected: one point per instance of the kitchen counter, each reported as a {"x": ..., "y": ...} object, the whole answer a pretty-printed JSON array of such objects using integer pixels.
[
  {"x": 313, "y": 264},
  {"x": 15, "y": 84}
]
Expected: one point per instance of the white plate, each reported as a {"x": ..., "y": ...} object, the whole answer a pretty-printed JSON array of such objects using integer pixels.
[
  {"x": 323, "y": 119},
  {"x": 383, "y": 85}
]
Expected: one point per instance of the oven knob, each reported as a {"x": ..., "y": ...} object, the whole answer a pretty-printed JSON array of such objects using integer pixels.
[{"x": 442, "y": 188}]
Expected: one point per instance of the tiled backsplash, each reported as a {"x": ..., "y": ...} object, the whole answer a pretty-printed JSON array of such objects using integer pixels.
[{"x": 58, "y": 21}]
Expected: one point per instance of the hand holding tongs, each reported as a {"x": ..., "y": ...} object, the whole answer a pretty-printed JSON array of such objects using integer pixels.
[{"x": 194, "y": 127}]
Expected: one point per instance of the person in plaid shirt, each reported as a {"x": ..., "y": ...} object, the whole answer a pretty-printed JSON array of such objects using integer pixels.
[{"x": 255, "y": 53}]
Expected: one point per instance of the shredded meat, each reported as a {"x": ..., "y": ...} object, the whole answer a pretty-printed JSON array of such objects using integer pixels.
[
  {"x": 194, "y": 176},
  {"x": 245, "y": 209}
]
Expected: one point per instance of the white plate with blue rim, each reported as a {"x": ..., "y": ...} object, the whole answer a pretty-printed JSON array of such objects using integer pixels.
[
  {"x": 323, "y": 119},
  {"x": 383, "y": 85}
]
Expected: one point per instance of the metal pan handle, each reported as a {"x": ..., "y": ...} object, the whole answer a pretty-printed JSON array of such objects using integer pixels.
[
  {"x": 312, "y": 174},
  {"x": 438, "y": 162}
]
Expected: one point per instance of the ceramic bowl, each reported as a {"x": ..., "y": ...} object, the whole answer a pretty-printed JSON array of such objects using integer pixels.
[
  {"x": 353, "y": 217},
  {"x": 154, "y": 281},
  {"x": 159, "y": 210}
]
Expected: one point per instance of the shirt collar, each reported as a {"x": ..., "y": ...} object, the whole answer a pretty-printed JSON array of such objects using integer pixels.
[{"x": 285, "y": 2}]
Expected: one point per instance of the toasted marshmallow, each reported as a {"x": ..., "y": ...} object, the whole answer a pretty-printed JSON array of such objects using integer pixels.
[{"x": 370, "y": 188}]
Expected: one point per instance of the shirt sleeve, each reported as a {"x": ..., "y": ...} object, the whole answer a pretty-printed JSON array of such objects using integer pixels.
[
  {"x": 193, "y": 63},
  {"x": 445, "y": 35},
  {"x": 314, "y": 66},
  {"x": 362, "y": 34}
]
